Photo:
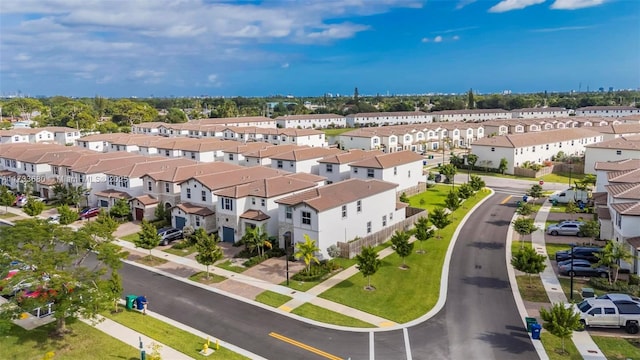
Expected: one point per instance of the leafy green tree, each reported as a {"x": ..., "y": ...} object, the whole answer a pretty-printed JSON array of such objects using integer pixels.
[
  {"x": 561, "y": 321},
  {"x": 470, "y": 101},
  {"x": 97, "y": 236},
  {"x": 525, "y": 209},
  {"x": 20, "y": 106},
  {"x": 528, "y": 261},
  {"x": 127, "y": 112},
  {"x": 256, "y": 238},
  {"x": 67, "y": 215},
  {"x": 121, "y": 209},
  {"x": 208, "y": 251},
  {"x": 440, "y": 219},
  {"x": 113, "y": 289},
  {"x": 612, "y": 255},
  {"x": 452, "y": 201},
  {"x": 7, "y": 198},
  {"x": 571, "y": 207},
  {"x": 33, "y": 207},
  {"x": 68, "y": 194},
  {"x": 535, "y": 191},
  {"x": 401, "y": 245},
  {"x": 161, "y": 213},
  {"x": 502, "y": 167},
  {"x": 449, "y": 171},
  {"x": 307, "y": 251},
  {"x": 465, "y": 191},
  {"x": 472, "y": 159},
  {"x": 74, "y": 290},
  {"x": 227, "y": 109},
  {"x": 148, "y": 237},
  {"x": 404, "y": 198},
  {"x": 423, "y": 231},
  {"x": 476, "y": 182},
  {"x": 590, "y": 229},
  {"x": 524, "y": 226},
  {"x": 176, "y": 116},
  {"x": 368, "y": 264}
]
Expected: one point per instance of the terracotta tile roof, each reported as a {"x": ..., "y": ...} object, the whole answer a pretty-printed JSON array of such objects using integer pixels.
[
  {"x": 337, "y": 194},
  {"x": 196, "y": 145},
  {"x": 541, "y": 109},
  {"x": 306, "y": 177},
  {"x": 8, "y": 173},
  {"x": 190, "y": 208},
  {"x": 471, "y": 111},
  {"x": 273, "y": 150},
  {"x": 603, "y": 213},
  {"x": 389, "y": 114},
  {"x": 255, "y": 215},
  {"x": 625, "y": 176},
  {"x": 536, "y": 138},
  {"x": 599, "y": 108},
  {"x": 111, "y": 193},
  {"x": 235, "y": 177},
  {"x": 180, "y": 173},
  {"x": 351, "y": 156},
  {"x": 234, "y": 120},
  {"x": 141, "y": 168},
  {"x": 625, "y": 191},
  {"x": 631, "y": 208},
  {"x": 625, "y": 142},
  {"x": 600, "y": 198},
  {"x": 306, "y": 154},
  {"x": 385, "y": 161},
  {"x": 634, "y": 241},
  {"x": 48, "y": 182},
  {"x": 625, "y": 129},
  {"x": 626, "y": 164},
  {"x": 401, "y": 205},
  {"x": 147, "y": 200},
  {"x": 245, "y": 148},
  {"x": 310, "y": 117},
  {"x": 267, "y": 188},
  {"x": 91, "y": 158}
]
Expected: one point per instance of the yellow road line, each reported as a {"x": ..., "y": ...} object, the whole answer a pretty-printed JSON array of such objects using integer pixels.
[
  {"x": 304, "y": 346},
  {"x": 285, "y": 308},
  {"x": 506, "y": 199}
]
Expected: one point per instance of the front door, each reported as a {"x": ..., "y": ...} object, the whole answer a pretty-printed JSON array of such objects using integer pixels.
[
  {"x": 228, "y": 235},
  {"x": 139, "y": 214},
  {"x": 180, "y": 222},
  {"x": 45, "y": 193}
]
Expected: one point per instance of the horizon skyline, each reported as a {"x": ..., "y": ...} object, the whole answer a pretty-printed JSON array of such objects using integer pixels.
[{"x": 262, "y": 49}]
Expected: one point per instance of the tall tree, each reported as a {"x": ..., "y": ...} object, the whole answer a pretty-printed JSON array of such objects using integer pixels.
[
  {"x": 208, "y": 251},
  {"x": 7, "y": 198},
  {"x": 401, "y": 245},
  {"x": 68, "y": 194},
  {"x": 307, "y": 251},
  {"x": 440, "y": 219},
  {"x": 472, "y": 159},
  {"x": 452, "y": 201},
  {"x": 476, "y": 182},
  {"x": 423, "y": 231},
  {"x": 256, "y": 238},
  {"x": 528, "y": 261},
  {"x": 121, "y": 209},
  {"x": 590, "y": 229},
  {"x": 368, "y": 264},
  {"x": 470, "y": 102},
  {"x": 148, "y": 237},
  {"x": 33, "y": 206},
  {"x": 524, "y": 226},
  {"x": 612, "y": 255},
  {"x": 561, "y": 321},
  {"x": 449, "y": 171},
  {"x": 525, "y": 209},
  {"x": 67, "y": 215},
  {"x": 535, "y": 191},
  {"x": 504, "y": 163}
]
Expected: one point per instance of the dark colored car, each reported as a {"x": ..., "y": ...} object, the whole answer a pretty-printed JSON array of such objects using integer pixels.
[
  {"x": 88, "y": 213},
  {"x": 579, "y": 252},
  {"x": 168, "y": 235},
  {"x": 582, "y": 268}
]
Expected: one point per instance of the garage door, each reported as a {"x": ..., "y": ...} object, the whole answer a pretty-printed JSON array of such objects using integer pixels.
[
  {"x": 180, "y": 222},
  {"x": 228, "y": 235}
]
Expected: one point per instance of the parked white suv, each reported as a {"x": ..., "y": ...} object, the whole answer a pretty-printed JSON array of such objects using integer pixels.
[{"x": 566, "y": 228}]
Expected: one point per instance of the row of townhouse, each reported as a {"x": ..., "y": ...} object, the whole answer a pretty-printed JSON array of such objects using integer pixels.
[
  {"x": 219, "y": 196},
  {"x": 388, "y": 118},
  {"x": 617, "y": 201},
  {"x": 311, "y": 121},
  {"x": 50, "y": 134},
  {"x": 535, "y": 148},
  {"x": 626, "y": 146},
  {"x": 520, "y": 126},
  {"x": 608, "y": 111}
]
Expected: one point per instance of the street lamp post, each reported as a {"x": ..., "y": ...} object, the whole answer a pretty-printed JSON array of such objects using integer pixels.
[{"x": 571, "y": 274}]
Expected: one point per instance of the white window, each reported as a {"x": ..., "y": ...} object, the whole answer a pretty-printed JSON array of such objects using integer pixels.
[
  {"x": 188, "y": 193},
  {"x": 306, "y": 217},
  {"x": 166, "y": 187},
  {"x": 370, "y": 173},
  {"x": 395, "y": 170},
  {"x": 227, "y": 204},
  {"x": 288, "y": 212},
  {"x": 203, "y": 195},
  {"x": 329, "y": 168},
  {"x": 359, "y": 205},
  {"x": 368, "y": 227},
  {"x": 149, "y": 187},
  {"x": 230, "y": 156},
  {"x": 493, "y": 149},
  {"x": 618, "y": 152},
  {"x": 384, "y": 220},
  {"x": 344, "y": 211},
  {"x": 263, "y": 202},
  {"x": 198, "y": 221},
  {"x": 279, "y": 164}
]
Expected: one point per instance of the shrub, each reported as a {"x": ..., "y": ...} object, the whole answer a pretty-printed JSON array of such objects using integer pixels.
[
  {"x": 618, "y": 286},
  {"x": 634, "y": 279},
  {"x": 316, "y": 272},
  {"x": 333, "y": 251},
  {"x": 181, "y": 245}
]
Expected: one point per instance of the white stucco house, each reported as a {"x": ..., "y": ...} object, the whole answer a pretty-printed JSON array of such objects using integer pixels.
[
  {"x": 388, "y": 118},
  {"x": 338, "y": 212},
  {"x": 403, "y": 168},
  {"x": 537, "y": 113},
  {"x": 607, "y": 111},
  {"x": 311, "y": 121},
  {"x": 336, "y": 167},
  {"x": 302, "y": 160},
  {"x": 624, "y": 147}
]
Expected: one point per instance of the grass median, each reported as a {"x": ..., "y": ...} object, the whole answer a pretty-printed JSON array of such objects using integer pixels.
[
  {"x": 404, "y": 295},
  {"x": 171, "y": 336}
]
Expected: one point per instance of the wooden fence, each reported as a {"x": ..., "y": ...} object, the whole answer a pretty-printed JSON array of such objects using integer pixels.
[
  {"x": 565, "y": 168},
  {"x": 517, "y": 171},
  {"x": 414, "y": 190},
  {"x": 352, "y": 248}
]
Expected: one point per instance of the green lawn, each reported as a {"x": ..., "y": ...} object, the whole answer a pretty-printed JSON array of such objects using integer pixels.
[
  {"x": 334, "y": 132},
  {"x": 227, "y": 265},
  {"x": 390, "y": 281},
  {"x": 578, "y": 284},
  {"x": 553, "y": 248},
  {"x": 169, "y": 335},
  {"x": 181, "y": 252},
  {"x": 151, "y": 260},
  {"x": 318, "y": 313},
  {"x": 84, "y": 342},
  {"x": 553, "y": 346},
  {"x": 555, "y": 178},
  {"x": 431, "y": 198},
  {"x": 306, "y": 285},
  {"x": 8, "y": 215},
  {"x": 130, "y": 238},
  {"x": 615, "y": 348},
  {"x": 273, "y": 299},
  {"x": 201, "y": 277},
  {"x": 532, "y": 289}
]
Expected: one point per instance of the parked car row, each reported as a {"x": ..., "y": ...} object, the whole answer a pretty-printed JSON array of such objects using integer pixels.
[{"x": 570, "y": 227}]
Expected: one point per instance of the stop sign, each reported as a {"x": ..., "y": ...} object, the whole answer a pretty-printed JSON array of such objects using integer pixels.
[{"x": 541, "y": 182}]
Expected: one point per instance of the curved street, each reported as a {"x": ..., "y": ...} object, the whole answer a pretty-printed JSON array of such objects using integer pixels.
[{"x": 479, "y": 320}]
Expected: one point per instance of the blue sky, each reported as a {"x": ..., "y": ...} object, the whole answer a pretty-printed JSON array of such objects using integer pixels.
[{"x": 308, "y": 48}]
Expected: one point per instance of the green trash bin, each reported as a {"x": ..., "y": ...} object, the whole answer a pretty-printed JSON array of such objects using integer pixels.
[
  {"x": 130, "y": 301},
  {"x": 530, "y": 321}
]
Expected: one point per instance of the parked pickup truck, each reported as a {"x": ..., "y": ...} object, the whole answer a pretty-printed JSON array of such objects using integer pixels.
[{"x": 609, "y": 313}]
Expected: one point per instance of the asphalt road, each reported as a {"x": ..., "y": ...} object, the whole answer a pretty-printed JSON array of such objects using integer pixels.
[{"x": 479, "y": 320}]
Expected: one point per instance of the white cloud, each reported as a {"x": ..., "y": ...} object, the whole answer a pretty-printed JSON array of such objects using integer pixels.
[
  {"x": 508, "y": 5},
  {"x": 213, "y": 80},
  {"x": 425, "y": 40},
  {"x": 285, "y": 66},
  {"x": 437, "y": 39},
  {"x": 456, "y": 37},
  {"x": 575, "y": 4},
  {"x": 448, "y": 31},
  {"x": 22, "y": 57},
  {"x": 463, "y": 3},
  {"x": 562, "y": 28}
]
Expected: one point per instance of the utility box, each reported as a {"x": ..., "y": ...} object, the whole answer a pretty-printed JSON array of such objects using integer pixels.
[
  {"x": 588, "y": 293},
  {"x": 130, "y": 301}
]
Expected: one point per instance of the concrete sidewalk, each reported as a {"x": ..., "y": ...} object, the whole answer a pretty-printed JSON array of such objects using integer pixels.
[
  {"x": 583, "y": 341},
  {"x": 298, "y": 297},
  {"x": 133, "y": 338}
]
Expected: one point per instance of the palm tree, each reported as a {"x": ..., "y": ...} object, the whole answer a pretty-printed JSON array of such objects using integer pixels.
[
  {"x": 306, "y": 251},
  {"x": 256, "y": 238}
]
